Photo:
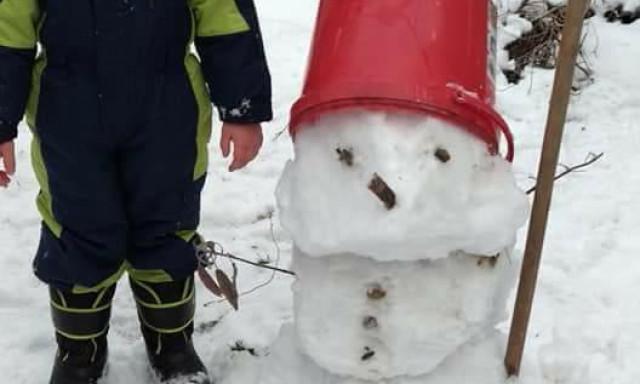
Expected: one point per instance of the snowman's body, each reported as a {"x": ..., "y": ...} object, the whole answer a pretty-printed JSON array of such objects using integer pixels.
[{"x": 358, "y": 317}]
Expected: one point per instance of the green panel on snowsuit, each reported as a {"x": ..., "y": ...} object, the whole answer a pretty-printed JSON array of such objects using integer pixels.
[
  {"x": 44, "y": 199},
  {"x": 218, "y": 18},
  {"x": 18, "y": 28}
]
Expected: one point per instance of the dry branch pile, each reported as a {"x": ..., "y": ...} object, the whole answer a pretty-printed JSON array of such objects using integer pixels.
[{"x": 539, "y": 47}]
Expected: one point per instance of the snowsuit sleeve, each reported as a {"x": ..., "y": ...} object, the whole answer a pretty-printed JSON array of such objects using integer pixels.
[
  {"x": 229, "y": 43},
  {"x": 18, "y": 40}
]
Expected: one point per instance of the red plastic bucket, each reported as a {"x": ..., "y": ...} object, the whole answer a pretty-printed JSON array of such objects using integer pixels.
[{"x": 432, "y": 57}]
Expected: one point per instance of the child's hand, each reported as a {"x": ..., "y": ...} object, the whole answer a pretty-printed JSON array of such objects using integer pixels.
[
  {"x": 7, "y": 162},
  {"x": 246, "y": 139}
]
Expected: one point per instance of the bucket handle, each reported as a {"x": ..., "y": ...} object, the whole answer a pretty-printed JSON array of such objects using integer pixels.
[{"x": 461, "y": 96}]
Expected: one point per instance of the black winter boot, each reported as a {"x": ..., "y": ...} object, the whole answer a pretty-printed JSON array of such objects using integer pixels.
[
  {"x": 166, "y": 313},
  {"x": 82, "y": 323}
]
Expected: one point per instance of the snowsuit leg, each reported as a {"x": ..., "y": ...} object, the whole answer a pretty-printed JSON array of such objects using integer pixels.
[
  {"x": 163, "y": 175},
  {"x": 84, "y": 236}
]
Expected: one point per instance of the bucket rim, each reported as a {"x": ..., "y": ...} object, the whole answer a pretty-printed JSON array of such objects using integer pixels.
[{"x": 462, "y": 108}]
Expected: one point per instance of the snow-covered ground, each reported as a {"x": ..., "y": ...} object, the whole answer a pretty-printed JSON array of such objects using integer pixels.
[{"x": 585, "y": 322}]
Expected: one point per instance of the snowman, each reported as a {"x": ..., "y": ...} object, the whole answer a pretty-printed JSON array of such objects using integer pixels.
[{"x": 402, "y": 211}]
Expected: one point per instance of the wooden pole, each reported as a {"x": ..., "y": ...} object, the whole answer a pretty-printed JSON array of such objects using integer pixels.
[{"x": 569, "y": 48}]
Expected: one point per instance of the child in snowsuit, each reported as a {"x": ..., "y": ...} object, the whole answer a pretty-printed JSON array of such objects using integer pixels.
[{"x": 120, "y": 111}]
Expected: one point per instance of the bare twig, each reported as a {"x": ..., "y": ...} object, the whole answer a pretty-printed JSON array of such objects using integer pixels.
[
  {"x": 281, "y": 132},
  {"x": 592, "y": 158},
  {"x": 259, "y": 264},
  {"x": 382, "y": 190},
  {"x": 274, "y": 270}
]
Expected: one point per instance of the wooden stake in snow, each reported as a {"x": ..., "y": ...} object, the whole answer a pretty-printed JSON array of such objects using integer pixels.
[{"x": 569, "y": 47}]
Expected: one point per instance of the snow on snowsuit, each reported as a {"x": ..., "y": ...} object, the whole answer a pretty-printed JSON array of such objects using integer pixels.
[{"x": 121, "y": 116}]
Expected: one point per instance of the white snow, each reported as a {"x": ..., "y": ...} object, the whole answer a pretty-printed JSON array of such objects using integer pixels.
[
  {"x": 469, "y": 203},
  {"x": 584, "y": 328},
  {"x": 477, "y": 362}
]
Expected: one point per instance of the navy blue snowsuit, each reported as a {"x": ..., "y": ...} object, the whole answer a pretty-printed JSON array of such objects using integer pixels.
[{"x": 120, "y": 111}]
